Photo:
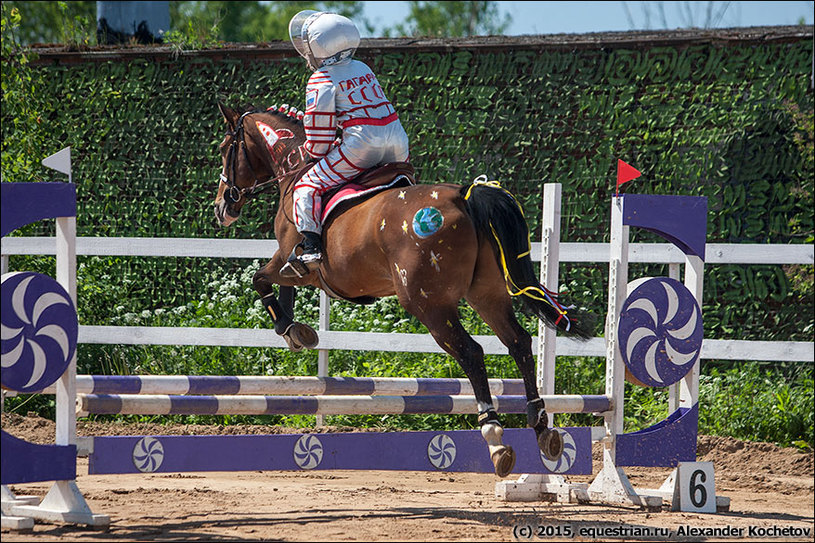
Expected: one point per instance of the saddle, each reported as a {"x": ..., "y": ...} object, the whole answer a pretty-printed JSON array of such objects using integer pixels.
[
  {"x": 345, "y": 196},
  {"x": 368, "y": 183}
]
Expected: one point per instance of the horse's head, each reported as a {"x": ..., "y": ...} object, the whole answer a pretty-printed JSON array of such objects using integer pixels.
[{"x": 260, "y": 149}]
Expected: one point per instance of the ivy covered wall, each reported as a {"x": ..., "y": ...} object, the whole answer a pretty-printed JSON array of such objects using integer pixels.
[{"x": 722, "y": 114}]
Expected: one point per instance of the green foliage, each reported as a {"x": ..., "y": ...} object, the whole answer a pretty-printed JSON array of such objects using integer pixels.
[
  {"x": 759, "y": 403},
  {"x": 198, "y": 24},
  {"x": 22, "y": 99},
  {"x": 195, "y": 34},
  {"x": 77, "y": 31},
  {"x": 252, "y": 21},
  {"x": 68, "y": 23}
]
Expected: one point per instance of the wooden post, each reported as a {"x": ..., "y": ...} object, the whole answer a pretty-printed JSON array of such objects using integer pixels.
[
  {"x": 322, "y": 354},
  {"x": 66, "y": 385},
  {"x": 550, "y": 261}
]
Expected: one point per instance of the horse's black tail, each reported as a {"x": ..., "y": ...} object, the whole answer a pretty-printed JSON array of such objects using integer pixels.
[{"x": 498, "y": 217}]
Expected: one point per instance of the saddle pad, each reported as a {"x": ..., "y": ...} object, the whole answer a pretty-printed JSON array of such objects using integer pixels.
[{"x": 353, "y": 192}]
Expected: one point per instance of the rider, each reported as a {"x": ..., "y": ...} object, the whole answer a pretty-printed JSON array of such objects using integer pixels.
[{"x": 342, "y": 92}]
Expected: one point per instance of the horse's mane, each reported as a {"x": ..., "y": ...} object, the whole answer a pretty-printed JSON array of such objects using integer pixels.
[{"x": 287, "y": 113}]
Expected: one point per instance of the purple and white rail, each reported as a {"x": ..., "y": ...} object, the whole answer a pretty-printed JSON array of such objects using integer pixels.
[
  {"x": 285, "y": 385},
  {"x": 168, "y": 404}
]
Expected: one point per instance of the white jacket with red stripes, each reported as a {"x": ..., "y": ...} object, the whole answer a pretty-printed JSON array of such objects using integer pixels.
[{"x": 342, "y": 95}]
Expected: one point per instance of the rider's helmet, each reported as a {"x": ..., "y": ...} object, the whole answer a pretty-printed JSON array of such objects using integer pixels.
[{"x": 323, "y": 38}]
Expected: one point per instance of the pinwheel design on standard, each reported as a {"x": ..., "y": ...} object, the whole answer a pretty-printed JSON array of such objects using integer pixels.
[
  {"x": 660, "y": 331},
  {"x": 39, "y": 331},
  {"x": 148, "y": 454},
  {"x": 565, "y": 462},
  {"x": 308, "y": 452},
  {"x": 441, "y": 451}
]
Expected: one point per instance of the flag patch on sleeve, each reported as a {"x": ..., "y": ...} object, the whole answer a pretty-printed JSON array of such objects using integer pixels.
[{"x": 311, "y": 100}]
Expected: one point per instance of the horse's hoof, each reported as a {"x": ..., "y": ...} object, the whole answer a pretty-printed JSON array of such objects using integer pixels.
[
  {"x": 293, "y": 347},
  {"x": 301, "y": 336},
  {"x": 550, "y": 443},
  {"x": 503, "y": 460}
]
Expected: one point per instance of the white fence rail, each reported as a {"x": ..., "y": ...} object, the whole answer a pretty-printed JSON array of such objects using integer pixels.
[{"x": 657, "y": 253}]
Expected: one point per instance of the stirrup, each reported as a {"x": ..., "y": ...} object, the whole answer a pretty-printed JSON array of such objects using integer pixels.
[{"x": 300, "y": 265}]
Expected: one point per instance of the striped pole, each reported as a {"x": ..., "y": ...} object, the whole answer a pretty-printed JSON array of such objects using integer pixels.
[
  {"x": 165, "y": 404},
  {"x": 285, "y": 385}
]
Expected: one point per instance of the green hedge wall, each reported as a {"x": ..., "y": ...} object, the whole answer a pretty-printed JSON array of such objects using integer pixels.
[{"x": 727, "y": 119}]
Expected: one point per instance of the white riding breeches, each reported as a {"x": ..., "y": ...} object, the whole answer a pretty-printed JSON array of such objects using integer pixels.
[{"x": 362, "y": 147}]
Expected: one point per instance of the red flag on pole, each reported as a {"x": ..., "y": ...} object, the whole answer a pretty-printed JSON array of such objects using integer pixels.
[{"x": 625, "y": 173}]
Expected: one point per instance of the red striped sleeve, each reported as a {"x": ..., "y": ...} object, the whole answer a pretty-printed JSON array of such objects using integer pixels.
[
  {"x": 317, "y": 150},
  {"x": 319, "y": 77}
]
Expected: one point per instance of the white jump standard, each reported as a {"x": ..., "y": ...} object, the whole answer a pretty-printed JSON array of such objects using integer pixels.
[
  {"x": 654, "y": 328},
  {"x": 39, "y": 348}
]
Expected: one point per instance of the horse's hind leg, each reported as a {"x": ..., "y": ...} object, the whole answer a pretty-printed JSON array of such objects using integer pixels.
[
  {"x": 445, "y": 327},
  {"x": 298, "y": 336},
  {"x": 495, "y": 307}
]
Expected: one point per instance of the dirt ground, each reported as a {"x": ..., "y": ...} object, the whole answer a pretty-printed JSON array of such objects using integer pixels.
[{"x": 771, "y": 490}]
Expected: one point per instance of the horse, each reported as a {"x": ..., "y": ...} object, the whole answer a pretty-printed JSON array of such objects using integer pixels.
[{"x": 467, "y": 242}]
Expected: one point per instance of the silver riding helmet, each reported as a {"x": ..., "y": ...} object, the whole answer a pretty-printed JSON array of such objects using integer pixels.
[{"x": 323, "y": 38}]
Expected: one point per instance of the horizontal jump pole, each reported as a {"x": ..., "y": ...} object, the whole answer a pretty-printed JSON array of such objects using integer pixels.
[
  {"x": 164, "y": 404},
  {"x": 284, "y": 385}
]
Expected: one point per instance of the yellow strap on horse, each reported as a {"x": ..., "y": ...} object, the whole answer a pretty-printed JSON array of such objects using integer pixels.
[
  {"x": 536, "y": 293},
  {"x": 481, "y": 180}
]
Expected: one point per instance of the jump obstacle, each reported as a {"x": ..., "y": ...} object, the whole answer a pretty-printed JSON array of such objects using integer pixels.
[
  {"x": 655, "y": 331},
  {"x": 46, "y": 311}
]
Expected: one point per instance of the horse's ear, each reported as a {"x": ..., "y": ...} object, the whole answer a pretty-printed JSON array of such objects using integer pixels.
[{"x": 230, "y": 115}]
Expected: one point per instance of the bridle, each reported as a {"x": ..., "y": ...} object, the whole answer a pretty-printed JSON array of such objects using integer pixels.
[{"x": 238, "y": 144}]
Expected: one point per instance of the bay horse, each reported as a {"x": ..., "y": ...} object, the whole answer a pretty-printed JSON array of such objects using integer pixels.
[{"x": 471, "y": 242}]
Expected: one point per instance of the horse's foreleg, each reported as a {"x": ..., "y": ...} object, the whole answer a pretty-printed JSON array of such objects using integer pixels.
[{"x": 280, "y": 307}]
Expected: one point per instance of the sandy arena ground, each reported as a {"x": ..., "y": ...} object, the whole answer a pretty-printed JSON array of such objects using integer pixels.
[{"x": 770, "y": 489}]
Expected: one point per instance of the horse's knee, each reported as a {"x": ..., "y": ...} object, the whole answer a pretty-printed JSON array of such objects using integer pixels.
[{"x": 263, "y": 285}]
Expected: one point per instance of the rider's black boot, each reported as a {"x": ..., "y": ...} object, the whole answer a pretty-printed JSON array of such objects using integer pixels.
[{"x": 312, "y": 250}]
